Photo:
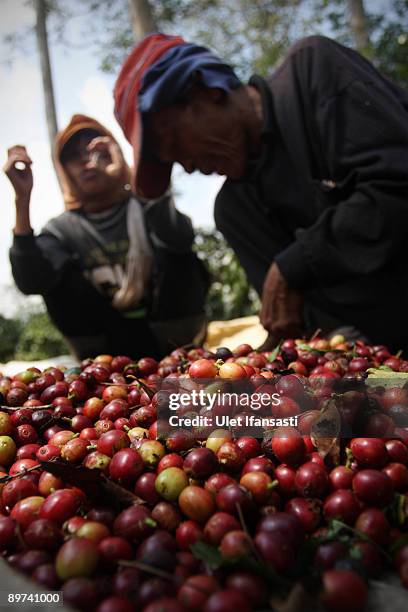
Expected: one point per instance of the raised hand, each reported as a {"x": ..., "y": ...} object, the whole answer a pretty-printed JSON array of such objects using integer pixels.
[
  {"x": 281, "y": 311},
  {"x": 18, "y": 170},
  {"x": 106, "y": 156}
]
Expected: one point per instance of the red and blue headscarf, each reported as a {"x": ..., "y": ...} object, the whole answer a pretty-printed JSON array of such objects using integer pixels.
[{"x": 157, "y": 74}]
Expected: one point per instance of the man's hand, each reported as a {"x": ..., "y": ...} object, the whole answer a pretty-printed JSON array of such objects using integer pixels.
[
  {"x": 281, "y": 311},
  {"x": 18, "y": 170},
  {"x": 106, "y": 156}
]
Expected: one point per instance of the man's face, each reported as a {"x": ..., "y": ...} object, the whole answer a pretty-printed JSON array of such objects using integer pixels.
[
  {"x": 88, "y": 176},
  {"x": 204, "y": 134}
]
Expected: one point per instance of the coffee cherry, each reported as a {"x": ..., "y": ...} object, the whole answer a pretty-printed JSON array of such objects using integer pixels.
[
  {"x": 285, "y": 476},
  {"x": 343, "y": 590},
  {"x": 230, "y": 456},
  {"x": 80, "y": 593},
  {"x": 151, "y": 452},
  {"x": 225, "y": 601},
  {"x": 94, "y": 531},
  {"x": 134, "y": 523},
  {"x": 43, "y": 534},
  {"x": 166, "y": 515},
  {"x": 47, "y": 452},
  {"x": 249, "y": 585},
  {"x": 60, "y": 506},
  {"x": 7, "y": 450},
  {"x": 276, "y": 549},
  {"x": 196, "y": 503},
  {"x": 217, "y": 438},
  {"x": 373, "y": 487},
  {"x": 369, "y": 452},
  {"x": 285, "y": 524},
  {"x": 17, "y": 489},
  {"x": 76, "y": 558},
  {"x": 373, "y": 523},
  {"x": 158, "y": 550},
  {"x": 341, "y": 477},
  {"x": 311, "y": 480},
  {"x": 203, "y": 368},
  {"x": 217, "y": 481},
  {"x": 31, "y": 559},
  {"x": 28, "y": 451},
  {"x": 126, "y": 466},
  {"x": 259, "y": 464},
  {"x": 170, "y": 460},
  {"x": 232, "y": 497},
  {"x": 341, "y": 504},
  {"x": 259, "y": 484},
  {"x": 218, "y": 525},
  {"x": 75, "y": 450},
  {"x": 72, "y": 525},
  {"x": 328, "y": 554},
  {"x": 97, "y": 461},
  {"x": 370, "y": 558},
  {"x": 200, "y": 463},
  {"x": 7, "y": 532},
  {"x": 47, "y": 576},
  {"x": 196, "y": 590},
  {"x": 171, "y": 482},
  {"x": 231, "y": 370},
  {"x": 126, "y": 581},
  {"x": 397, "y": 451},
  {"x": 235, "y": 544},
  {"x": 398, "y": 474},
  {"x": 249, "y": 446},
  {"x": 27, "y": 510},
  {"x": 112, "y": 441},
  {"x": 187, "y": 533},
  {"x": 308, "y": 511},
  {"x": 288, "y": 446}
]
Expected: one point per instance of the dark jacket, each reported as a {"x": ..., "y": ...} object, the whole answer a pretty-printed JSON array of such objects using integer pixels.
[
  {"x": 50, "y": 264},
  {"x": 332, "y": 179}
]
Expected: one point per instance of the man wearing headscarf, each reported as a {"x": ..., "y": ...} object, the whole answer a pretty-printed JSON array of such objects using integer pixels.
[
  {"x": 315, "y": 203},
  {"x": 117, "y": 273}
]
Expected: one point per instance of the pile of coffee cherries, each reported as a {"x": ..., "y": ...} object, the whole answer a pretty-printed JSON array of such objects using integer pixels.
[{"x": 213, "y": 521}]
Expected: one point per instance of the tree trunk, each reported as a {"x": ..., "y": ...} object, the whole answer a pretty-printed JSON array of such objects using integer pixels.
[
  {"x": 143, "y": 22},
  {"x": 42, "y": 43},
  {"x": 358, "y": 25}
]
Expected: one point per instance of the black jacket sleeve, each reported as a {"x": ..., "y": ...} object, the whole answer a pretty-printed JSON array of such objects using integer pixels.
[
  {"x": 168, "y": 228},
  {"x": 37, "y": 263},
  {"x": 361, "y": 127}
]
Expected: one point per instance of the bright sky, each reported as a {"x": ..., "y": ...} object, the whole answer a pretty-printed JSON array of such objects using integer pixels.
[{"x": 79, "y": 87}]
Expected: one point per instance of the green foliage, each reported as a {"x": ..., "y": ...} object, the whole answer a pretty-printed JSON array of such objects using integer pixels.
[
  {"x": 230, "y": 295},
  {"x": 387, "y": 29},
  {"x": 253, "y": 35},
  {"x": 39, "y": 339},
  {"x": 9, "y": 333}
]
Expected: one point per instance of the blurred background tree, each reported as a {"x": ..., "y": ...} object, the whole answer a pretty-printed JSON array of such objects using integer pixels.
[
  {"x": 10, "y": 330},
  {"x": 255, "y": 34},
  {"x": 230, "y": 295}
]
